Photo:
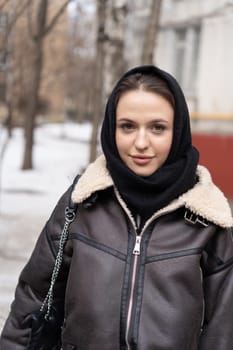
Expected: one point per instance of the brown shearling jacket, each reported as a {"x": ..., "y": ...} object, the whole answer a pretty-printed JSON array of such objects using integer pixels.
[{"x": 168, "y": 286}]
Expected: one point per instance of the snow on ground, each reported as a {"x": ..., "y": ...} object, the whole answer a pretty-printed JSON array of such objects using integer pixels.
[{"x": 28, "y": 197}]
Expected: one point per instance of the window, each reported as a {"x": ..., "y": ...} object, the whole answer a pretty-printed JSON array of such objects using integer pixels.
[
  {"x": 187, "y": 42},
  {"x": 180, "y": 53}
]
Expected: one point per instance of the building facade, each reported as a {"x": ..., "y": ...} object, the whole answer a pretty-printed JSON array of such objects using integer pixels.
[{"x": 194, "y": 44}]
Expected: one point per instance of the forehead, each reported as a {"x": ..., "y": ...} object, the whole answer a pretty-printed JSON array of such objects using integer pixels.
[{"x": 140, "y": 102}]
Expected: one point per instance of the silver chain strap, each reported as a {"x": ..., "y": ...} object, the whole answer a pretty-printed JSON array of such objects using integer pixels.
[{"x": 47, "y": 303}]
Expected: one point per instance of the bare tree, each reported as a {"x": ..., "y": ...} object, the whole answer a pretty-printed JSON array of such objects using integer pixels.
[
  {"x": 37, "y": 33},
  {"x": 13, "y": 11},
  {"x": 151, "y": 32},
  {"x": 16, "y": 9},
  {"x": 99, "y": 75},
  {"x": 114, "y": 47},
  {"x": 80, "y": 61},
  {"x": 109, "y": 61}
]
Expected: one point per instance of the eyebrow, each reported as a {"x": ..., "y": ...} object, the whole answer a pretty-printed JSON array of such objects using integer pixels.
[{"x": 159, "y": 120}]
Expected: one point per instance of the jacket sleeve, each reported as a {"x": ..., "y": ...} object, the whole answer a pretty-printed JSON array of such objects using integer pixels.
[
  {"x": 217, "y": 332},
  {"x": 34, "y": 281}
]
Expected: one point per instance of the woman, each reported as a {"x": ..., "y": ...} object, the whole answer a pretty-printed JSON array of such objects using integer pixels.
[{"x": 148, "y": 263}]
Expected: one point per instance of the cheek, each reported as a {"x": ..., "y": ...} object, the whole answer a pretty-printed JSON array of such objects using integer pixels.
[
  {"x": 164, "y": 145},
  {"x": 168, "y": 145},
  {"x": 120, "y": 142}
]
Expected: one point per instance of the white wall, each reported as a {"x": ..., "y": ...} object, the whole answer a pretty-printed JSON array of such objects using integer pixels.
[{"x": 213, "y": 81}]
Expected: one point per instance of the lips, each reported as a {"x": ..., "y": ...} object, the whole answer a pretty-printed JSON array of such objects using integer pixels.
[{"x": 141, "y": 160}]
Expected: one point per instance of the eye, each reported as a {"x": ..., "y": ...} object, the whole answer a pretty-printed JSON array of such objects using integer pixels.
[
  {"x": 158, "y": 128},
  {"x": 126, "y": 126}
]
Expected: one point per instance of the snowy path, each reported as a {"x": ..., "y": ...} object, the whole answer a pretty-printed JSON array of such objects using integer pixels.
[{"x": 28, "y": 197}]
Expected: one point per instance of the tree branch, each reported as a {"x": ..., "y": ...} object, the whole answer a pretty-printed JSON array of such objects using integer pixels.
[
  {"x": 151, "y": 32},
  {"x": 29, "y": 20},
  {"x": 54, "y": 20},
  {"x": 16, "y": 16},
  {"x": 12, "y": 21},
  {"x": 41, "y": 18}
]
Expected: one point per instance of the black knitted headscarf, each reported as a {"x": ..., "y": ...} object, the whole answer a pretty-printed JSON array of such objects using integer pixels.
[{"x": 145, "y": 195}]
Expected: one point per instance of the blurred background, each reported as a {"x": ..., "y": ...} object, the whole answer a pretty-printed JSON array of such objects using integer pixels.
[{"x": 58, "y": 63}]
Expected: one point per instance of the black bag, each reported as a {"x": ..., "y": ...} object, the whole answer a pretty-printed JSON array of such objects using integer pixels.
[
  {"x": 46, "y": 332},
  {"x": 46, "y": 323}
]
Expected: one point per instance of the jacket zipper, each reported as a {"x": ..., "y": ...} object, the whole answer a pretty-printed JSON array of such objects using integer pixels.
[
  {"x": 136, "y": 252},
  {"x": 203, "y": 307}
]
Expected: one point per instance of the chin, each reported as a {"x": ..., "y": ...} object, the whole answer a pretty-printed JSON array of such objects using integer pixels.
[{"x": 143, "y": 173}]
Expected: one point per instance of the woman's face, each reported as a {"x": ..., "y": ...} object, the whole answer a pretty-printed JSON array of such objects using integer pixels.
[{"x": 144, "y": 130}]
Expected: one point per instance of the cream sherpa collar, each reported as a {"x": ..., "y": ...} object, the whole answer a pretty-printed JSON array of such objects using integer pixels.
[{"x": 204, "y": 199}]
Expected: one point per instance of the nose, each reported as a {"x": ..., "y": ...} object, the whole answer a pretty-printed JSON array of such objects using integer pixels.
[{"x": 141, "y": 140}]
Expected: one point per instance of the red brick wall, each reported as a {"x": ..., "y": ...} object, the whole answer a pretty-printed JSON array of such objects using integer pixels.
[{"x": 216, "y": 153}]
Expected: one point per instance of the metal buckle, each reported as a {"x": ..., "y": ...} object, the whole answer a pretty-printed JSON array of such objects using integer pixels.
[{"x": 193, "y": 219}]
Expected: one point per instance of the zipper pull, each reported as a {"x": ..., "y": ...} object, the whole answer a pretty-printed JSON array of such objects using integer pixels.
[{"x": 137, "y": 246}]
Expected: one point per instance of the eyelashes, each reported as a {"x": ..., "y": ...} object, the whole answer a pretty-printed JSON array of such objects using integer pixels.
[
  {"x": 128, "y": 127},
  {"x": 159, "y": 127}
]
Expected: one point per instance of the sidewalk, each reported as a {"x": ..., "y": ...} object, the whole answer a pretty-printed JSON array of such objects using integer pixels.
[
  {"x": 15, "y": 248},
  {"x": 28, "y": 197}
]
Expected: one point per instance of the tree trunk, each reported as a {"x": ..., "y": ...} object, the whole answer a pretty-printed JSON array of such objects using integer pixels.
[
  {"x": 99, "y": 77},
  {"x": 9, "y": 118},
  {"x": 114, "y": 47},
  {"x": 32, "y": 104},
  {"x": 110, "y": 62},
  {"x": 38, "y": 34},
  {"x": 151, "y": 32},
  {"x": 34, "y": 80},
  {"x": 12, "y": 18}
]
